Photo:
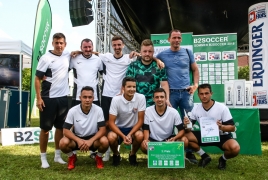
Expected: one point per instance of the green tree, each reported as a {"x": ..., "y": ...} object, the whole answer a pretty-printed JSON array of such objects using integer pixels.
[
  {"x": 243, "y": 73},
  {"x": 26, "y": 79}
]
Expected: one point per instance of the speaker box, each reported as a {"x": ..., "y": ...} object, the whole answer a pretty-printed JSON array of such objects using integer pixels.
[{"x": 80, "y": 12}]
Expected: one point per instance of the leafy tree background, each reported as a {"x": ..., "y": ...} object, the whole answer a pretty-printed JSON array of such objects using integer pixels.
[
  {"x": 243, "y": 73},
  {"x": 26, "y": 79}
]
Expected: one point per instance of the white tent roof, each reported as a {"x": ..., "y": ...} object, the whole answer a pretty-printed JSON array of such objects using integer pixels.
[{"x": 9, "y": 46}]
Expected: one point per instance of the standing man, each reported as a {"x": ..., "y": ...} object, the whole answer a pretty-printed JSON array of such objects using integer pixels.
[
  {"x": 147, "y": 74},
  {"x": 222, "y": 116},
  {"x": 125, "y": 120},
  {"x": 86, "y": 67},
  {"x": 179, "y": 63},
  {"x": 52, "y": 102},
  {"x": 159, "y": 122},
  {"x": 87, "y": 123}
]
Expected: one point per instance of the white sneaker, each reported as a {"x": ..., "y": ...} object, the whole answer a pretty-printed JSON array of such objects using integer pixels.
[{"x": 59, "y": 160}]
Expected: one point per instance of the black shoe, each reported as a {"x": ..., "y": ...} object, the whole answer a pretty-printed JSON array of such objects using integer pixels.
[
  {"x": 133, "y": 160},
  {"x": 222, "y": 164},
  {"x": 204, "y": 161},
  {"x": 191, "y": 158},
  {"x": 116, "y": 160}
]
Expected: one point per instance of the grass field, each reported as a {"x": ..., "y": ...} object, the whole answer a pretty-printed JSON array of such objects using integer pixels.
[{"x": 23, "y": 162}]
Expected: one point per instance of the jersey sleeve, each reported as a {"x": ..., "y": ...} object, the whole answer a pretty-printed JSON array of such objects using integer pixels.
[
  {"x": 177, "y": 119},
  {"x": 113, "y": 108},
  {"x": 142, "y": 104},
  {"x": 42, "y": 67},
  {"x": 101, "y": 121},
  {"x": 70, "y": 117},
  {"x": 146, "y": 121},
  {"x": 226, "y": 115}
]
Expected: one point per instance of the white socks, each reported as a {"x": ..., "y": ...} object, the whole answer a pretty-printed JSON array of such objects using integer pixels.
[
  {"x": 58, "y": 158},
  {"x": 44, "y": 160}
]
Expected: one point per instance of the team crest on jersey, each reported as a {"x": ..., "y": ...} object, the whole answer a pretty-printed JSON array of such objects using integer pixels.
[
  {"x": 256, "y": 13},
  {"x": 134, "y": 110}
]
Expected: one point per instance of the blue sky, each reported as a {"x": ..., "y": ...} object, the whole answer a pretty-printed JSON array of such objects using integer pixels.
[{"x": 17, "y": 18}]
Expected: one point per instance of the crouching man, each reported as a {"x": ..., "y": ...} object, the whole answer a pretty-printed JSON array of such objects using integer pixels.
[
  {"x": 224, "y": 120},
  {"x": 159, "y": 122},
  {"x": 84, "y": 129},
  {"x": 125, "y": 120}
]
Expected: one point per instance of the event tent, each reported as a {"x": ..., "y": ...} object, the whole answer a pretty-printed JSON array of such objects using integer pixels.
[{"x": 9, "y": 46}]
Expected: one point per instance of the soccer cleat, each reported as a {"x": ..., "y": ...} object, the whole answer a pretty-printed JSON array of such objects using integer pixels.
[
  {"x": 191, "y": 158},
  {"x": 222, "y": 164},
  {"x": 71, "y": 162},
  {"x": 99, "y": 163},
  {"x": 204, "y": 161},
  {"x": 116, "y": 160},
  {"x": 133, "y": 160}
]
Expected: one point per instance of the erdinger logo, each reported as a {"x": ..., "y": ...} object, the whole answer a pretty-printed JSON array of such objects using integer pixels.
[
  {"x": 257, "y": 13},
  {"x": 251, "y": 17}
]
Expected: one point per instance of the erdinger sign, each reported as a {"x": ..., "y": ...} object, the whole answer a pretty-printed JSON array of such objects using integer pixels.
[{"x": 258, "y": 51}]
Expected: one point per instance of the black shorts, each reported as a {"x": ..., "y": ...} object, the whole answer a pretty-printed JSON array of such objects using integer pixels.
[
  {"x": 54, "y": 113},
  {"x": 76, "y": 102},
  {"x": 223, "y": 139},
  {"x": 125, "y": 131},
  {"x": 153, "y": 140},
  {"x": 85, "y": 138},
  {"x": 105, "y": 105}
]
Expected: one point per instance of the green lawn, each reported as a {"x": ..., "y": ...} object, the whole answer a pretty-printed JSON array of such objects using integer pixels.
[{"x": 23, "y": 162}]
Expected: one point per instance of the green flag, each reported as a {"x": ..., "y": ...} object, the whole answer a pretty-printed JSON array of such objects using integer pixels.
[{"x": 42, "y": 29}]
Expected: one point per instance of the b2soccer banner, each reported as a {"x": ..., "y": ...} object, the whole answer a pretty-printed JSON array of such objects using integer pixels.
[
  {"x": 258, "y": 50},
  {"x": 42, "y": 29},
  {"x": 216, "y": 57}
]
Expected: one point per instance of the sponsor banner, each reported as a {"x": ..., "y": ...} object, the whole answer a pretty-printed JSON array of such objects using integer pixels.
[
  {"x": 258, "y": 52},
  {"x": 166, "y": 155},
  {"x": 19, "y": 136},
  {"x": 216, "y": 57},
  {"x": 42, "y": 29},
  {"x": 161, "y": 43}
]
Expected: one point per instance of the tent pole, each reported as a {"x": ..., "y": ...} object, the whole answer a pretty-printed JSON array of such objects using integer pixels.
[{"x": 20, "y": 93}]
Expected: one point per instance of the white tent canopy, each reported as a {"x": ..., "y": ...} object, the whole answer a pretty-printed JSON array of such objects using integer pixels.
[{"x": 9, "y": 46}]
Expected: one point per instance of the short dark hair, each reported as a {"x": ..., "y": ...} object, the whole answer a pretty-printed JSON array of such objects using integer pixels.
[
  {"x": 160, "y": 90},
  {"x": 58, "y": 36},
  {"x": 126, "y": 79},
  {"x": 87, "y": 88},
  {"x": 173, "y": 30},
  {"x": 147, "y": 42},
  {"x": 115, "y": 38},
  {"x": 86, "y": 40},
  {"x": 203, "y": 86}
]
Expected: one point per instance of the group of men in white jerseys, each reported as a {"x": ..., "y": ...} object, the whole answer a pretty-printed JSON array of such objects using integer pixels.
[{"x": 126, "y": 116}]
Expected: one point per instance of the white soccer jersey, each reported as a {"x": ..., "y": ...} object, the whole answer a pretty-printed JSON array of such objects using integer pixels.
[
  {"x": 126, "y": 112},
  {"x": 161, "y": 127},
  {"x": 85, "y": 124},
  {"x": 115, "y": 71},
  {"x": 55, "y": 68},
  {"x": 85, "y": 73},
  {"x": 218, "y": 111}
]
